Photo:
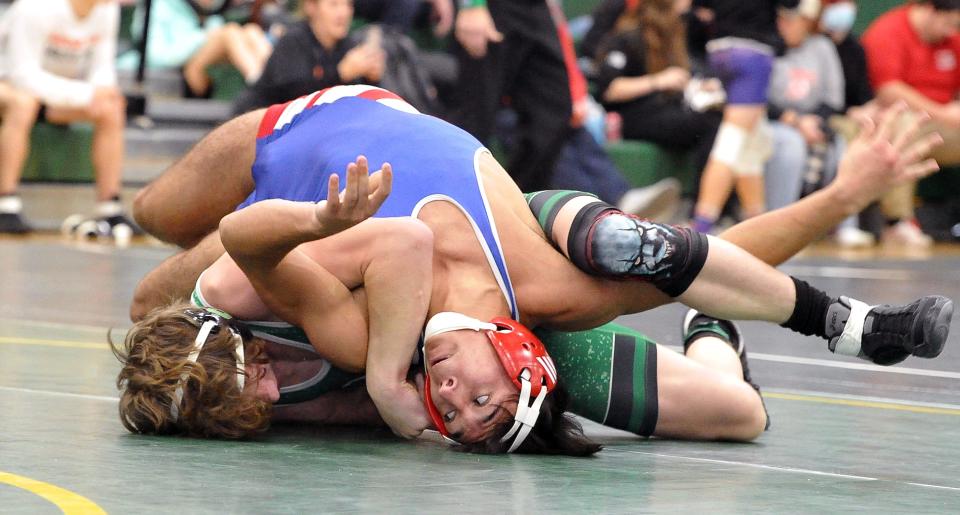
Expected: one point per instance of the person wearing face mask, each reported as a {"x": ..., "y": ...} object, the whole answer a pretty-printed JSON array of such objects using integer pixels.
[{"x": 836, "y": 22}]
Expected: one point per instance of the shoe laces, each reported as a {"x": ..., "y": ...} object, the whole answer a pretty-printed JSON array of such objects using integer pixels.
[{"x": 891, "y": 324}]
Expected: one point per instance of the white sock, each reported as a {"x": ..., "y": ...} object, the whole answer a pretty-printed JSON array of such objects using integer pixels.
[
  {"x": 10, "y": 204},
  {"x": 107, "y": 208}
]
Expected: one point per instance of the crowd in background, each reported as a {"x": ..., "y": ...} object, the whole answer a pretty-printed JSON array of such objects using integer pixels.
[{"x": 763, "y": 94}]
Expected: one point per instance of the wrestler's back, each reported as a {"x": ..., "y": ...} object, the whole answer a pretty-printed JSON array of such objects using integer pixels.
[
  {"x": 436, "y": 179},
  {"x": 550, "y": 290}
]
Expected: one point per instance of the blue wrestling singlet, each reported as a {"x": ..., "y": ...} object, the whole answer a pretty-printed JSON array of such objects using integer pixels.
[{"x": 302, "y": 142}]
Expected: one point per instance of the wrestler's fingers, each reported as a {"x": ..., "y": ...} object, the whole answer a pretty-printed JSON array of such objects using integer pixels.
[
  {"x": 909, "y": 133},
  {"x": 888, "y": 121},
  {"x": 349, "y": 195},
  {"x": 363, "y": 188},
  {"x": 333, "y": 193},
  {"x": 923, "y": 169},
  {"x": 362, "y": 165},
  {"x": 382, "y": 191},
  {"x": 867, "y": 128},
  {"x": 920, "y": 149}
]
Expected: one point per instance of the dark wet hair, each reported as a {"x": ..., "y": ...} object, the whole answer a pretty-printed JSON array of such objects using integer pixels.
[{"x": 556, "y": 432}]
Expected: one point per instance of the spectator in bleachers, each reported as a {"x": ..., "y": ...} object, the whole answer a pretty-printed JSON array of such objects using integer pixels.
[
  {"x": 604, "y": 25},
  {"x": 180, "y": 38},
  {"x": 642, "y": 74},
  {"x": 741, "y": 52},
  {"x": 315, "y": 54},
  {"x": 806, "y": 90},
  {"x": 584, "y": 165},
  {"x": 18, "y": 112},
  {"x": 403, "y": 14},
  {"x": 913, "y": 55},
  {"x": 836, "y": 21},
  {"x": 510, "y": 48},
  {"x": 62, "y": 53}
]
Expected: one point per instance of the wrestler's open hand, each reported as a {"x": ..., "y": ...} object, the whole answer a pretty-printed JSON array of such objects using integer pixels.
[
  {"x": 359, "y": 200},
  {"x": 882, "y": 157}
]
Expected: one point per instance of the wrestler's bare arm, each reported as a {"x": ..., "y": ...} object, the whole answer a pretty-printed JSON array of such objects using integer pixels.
[
  {"x": 351, "y": 407},
  {"x": 262, "y": 239},
  {"x": 175, "y": 277}
]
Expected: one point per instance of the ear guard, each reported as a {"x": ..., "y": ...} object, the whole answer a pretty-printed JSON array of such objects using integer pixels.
[{"x": 524, "y": 358}]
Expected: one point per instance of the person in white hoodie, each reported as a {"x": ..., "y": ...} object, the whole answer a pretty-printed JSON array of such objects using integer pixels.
[{"x": 62, "y": 53}]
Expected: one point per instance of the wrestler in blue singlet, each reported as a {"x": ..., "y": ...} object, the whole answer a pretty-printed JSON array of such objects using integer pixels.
[
  {"x": 301, "y": 143},
  {"x": 610, "y": 371},
  {"x": 304, "y": 141}
]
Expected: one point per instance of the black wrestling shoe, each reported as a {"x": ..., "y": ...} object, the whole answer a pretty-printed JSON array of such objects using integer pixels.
[
  {"x": 14, "y": 223},
  {"x": 892, "y": 333},
  {"x": 697, "y": 325},
  {"x": 122, "y": 219}
]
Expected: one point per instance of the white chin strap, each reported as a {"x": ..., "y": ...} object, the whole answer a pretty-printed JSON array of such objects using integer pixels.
[
  {"x": 447, "y": 321},
  {"x": 527, "y": 414},
  {"x": 198, "y": 344}
]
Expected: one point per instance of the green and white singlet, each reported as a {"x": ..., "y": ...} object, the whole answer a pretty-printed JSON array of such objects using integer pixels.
[{"x": 610, "y": 372}]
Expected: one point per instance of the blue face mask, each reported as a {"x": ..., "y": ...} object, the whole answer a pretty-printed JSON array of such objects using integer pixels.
[{"x": 839, "y": 18}]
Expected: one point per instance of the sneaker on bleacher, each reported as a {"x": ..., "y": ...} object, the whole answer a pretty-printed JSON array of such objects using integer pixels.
[
  {"x": 906, "y": 233},
  {"x": 11, "y": 216}
]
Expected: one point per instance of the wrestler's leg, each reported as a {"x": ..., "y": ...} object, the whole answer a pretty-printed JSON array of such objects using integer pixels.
[
  {"x": 188, "y": 200},
  {"x": 719, "y": 278},
  {"x": 715, "y": 277},
  {"x": 619, "y": 378},
  {"x": 175, "y": 278},
  {"x": 699, "y": 401}
]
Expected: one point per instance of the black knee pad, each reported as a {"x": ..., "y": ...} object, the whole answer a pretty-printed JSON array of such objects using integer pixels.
[
  {"x": 602, "y": 240},
  {"x": 624, "y": 246}
]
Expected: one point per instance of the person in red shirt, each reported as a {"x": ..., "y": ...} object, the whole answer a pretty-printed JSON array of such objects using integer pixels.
[{"x": 913, "y": 56}]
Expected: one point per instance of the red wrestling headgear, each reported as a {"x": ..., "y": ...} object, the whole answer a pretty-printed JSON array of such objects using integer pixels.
[{"x": 522, "y": 355}]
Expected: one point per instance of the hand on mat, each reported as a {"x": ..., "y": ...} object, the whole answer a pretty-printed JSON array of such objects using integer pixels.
[
  {"x": 401, "y": 407},
  {"x": 886, "y": 154},
  {"x": 360, "y": 199}
]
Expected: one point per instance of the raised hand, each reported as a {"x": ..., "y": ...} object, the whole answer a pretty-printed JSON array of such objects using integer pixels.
[
  {"x": 360, "y": 199},
  {"x": 882, "y": 157}
]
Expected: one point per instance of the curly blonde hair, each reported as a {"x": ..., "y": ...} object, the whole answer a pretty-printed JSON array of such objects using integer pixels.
[{"x": 154, "y": 356}]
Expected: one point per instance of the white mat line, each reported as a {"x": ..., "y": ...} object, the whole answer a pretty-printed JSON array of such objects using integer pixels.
[
  {"x": 101, "y": 398},
  {"x": 750, "y": 465},
  {"x": 832, "y": 363},
  {"x": 847, "y": 272},
  {"x": 853, "y": 366},
  {"x": 924, "y": 485},
  {"x": 782, "y": 469}
]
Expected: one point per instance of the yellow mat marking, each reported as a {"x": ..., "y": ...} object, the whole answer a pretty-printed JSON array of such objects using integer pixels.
[
  {"x": 6, "y": 340},
  {"x": 69, "y": 502},
  {"x": 863, "y": 403}
]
